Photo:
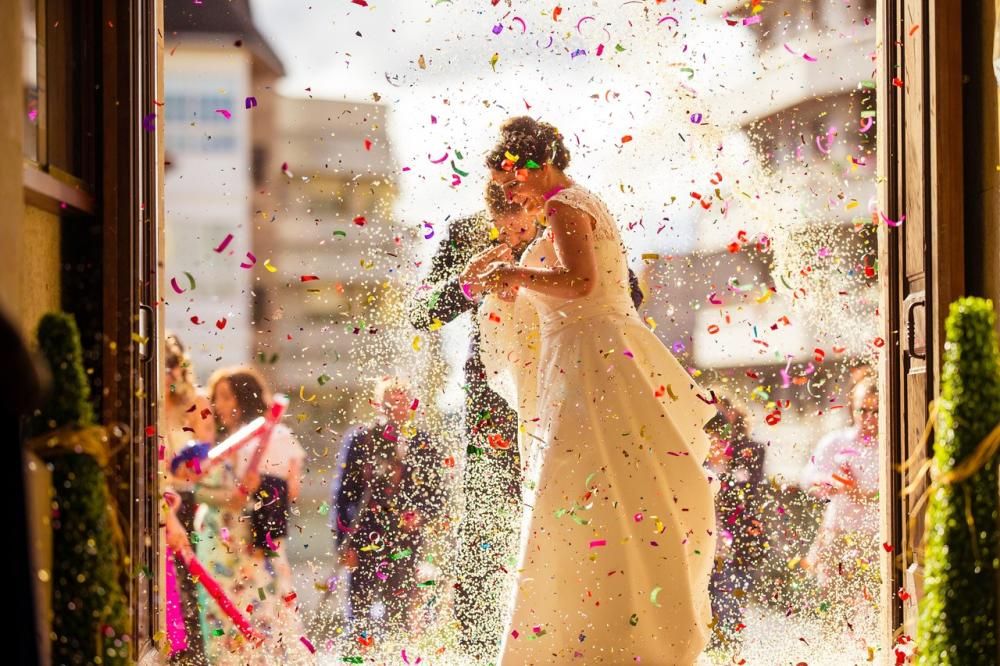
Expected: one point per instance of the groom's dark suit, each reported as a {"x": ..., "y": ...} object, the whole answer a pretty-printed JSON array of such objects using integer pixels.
[{"x": 488, "y": 534}]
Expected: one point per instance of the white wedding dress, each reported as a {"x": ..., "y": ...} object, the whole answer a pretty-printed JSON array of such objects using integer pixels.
[{"x": 617, "y": 540}]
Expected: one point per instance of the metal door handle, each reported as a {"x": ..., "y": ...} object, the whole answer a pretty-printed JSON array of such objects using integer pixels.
[{"x": 911, "y": 329}]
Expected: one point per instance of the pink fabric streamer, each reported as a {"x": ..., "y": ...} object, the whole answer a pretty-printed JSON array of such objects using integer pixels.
[
  {"x": 176, "y": 633},
  {"x": 225, "y": 603}
]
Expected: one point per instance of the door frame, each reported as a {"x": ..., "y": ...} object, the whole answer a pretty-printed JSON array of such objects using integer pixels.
[
  {"x": 920, "y": 176},
  {"x": 131, "y": 193},
  {"x": 133, "y": 190}
]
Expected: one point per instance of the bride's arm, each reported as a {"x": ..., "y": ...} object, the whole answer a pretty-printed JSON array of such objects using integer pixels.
[{"x": 576, "y": 273}]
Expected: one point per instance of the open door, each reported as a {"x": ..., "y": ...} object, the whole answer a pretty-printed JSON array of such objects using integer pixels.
[{"x": 922, "y": 261}]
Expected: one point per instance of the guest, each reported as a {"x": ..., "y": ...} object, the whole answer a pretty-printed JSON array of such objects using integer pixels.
[
  {"x": 187, "y": 420},
  {"x": 844, "y": 470},
  {"x": 386, "y": 495},
  {"x": 738, "y": 463},
  {"x": 240, "y": 395}
]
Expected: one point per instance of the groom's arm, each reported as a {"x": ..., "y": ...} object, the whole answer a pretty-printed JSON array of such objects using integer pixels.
[{"x": 444, "y": 299}]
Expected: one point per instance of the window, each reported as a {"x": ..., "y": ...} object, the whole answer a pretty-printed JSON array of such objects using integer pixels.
[{"x": 59, "y": 40}]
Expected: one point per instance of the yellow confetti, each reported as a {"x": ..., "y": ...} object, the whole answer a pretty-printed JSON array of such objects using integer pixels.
[
  {"x": 766, "y": 297},
  {"x": 302, "y": 394},
  {"x": 494, "y": 233},
  {"x": 510, "y": 156},
  {"x": 269, "y": 267},
  {"x": 493, "y": 61},
  {"x": 652, "y": 323},
  {"x": 416, "y": 343},
  {"x": 650, "y": 256},
  {"x": 853, "y": 203},
  {"x": 141, "y": 339},
  {"x": 435, "y": 325}
]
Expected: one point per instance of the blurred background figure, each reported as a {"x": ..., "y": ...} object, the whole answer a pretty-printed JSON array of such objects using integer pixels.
[
  {"x": 844, "y": 470},
  {"x": 266, "y": 476},
  {"x": 187, "y": 420},
  {"x": 385, "y": 496},
  {"x": 737, "y": 461}
]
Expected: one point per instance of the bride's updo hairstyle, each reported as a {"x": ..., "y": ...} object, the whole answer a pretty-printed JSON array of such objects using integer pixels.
[{"x": 533, "y": 143}]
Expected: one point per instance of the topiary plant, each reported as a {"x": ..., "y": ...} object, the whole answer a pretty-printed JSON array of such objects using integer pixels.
[
  {"x": 958, "y": 613},
  {"x": 89, "y": 610}
]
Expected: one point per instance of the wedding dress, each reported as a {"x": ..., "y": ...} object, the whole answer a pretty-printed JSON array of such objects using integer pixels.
[{"x": 617, "y": 539}]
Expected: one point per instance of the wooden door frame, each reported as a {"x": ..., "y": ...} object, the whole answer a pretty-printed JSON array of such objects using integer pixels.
[
  {"x": 130, "y": 208},
  {"x": 932, "y": 31}
]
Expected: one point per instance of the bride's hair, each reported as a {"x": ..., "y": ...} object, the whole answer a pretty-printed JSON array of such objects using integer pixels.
[
  {"x": 528, "y": 139},
  {"x": 498, "y": 203}
]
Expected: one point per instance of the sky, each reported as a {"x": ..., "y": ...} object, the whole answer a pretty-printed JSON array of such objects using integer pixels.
[{"x": 661, "y": 64}]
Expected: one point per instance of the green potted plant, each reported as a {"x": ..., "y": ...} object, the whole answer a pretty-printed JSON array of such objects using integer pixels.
[
  {"x": 89, "y": 610},
  {"x": 958, "y": 613}
]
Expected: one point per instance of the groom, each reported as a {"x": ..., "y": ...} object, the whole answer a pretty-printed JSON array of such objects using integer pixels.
[{"x": 489, "y": 531}]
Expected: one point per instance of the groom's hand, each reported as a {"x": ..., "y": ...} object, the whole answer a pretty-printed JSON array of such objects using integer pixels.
[{"x": 473, "y": 278}]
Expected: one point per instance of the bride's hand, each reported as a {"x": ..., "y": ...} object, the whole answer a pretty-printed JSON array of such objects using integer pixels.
[
  {"x": 496, "y": 280},
  {"x": 508, "y": 294}
]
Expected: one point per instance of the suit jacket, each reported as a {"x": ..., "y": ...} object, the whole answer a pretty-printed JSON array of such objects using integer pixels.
[{"x": 445, "y": 301}]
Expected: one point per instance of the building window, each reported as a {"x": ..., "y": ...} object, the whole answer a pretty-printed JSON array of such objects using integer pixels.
[
  {"x": 29, "y": 59},
  {"x": 60, "y": 113}
]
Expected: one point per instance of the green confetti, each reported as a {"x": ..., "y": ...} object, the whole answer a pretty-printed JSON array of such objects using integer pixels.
[
  {"x": 406, "y": 552},
  {"x": 323, "y": 379},
  {"x": 458, "y": 155},
  {"x": 426, "y": 583},
  {"x": 653, "y": 595},
  {"x": 619, "y": 48},
  {"x": 634, "y": 620},
  {"x": 260, "y": 593},
  {"x": 532, "y": 164},
  {"x": 457, "y": 170},
  {"x": 354, "y": 660},
  {"x": 341, "y": 233},
  {"x": 324, "y": 509}
]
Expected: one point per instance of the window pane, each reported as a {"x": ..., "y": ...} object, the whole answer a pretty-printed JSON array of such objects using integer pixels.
[{"x": 30, "y": 77}]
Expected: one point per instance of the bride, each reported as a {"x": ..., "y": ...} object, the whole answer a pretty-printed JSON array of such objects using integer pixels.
[{"x": 617, "y": 538}]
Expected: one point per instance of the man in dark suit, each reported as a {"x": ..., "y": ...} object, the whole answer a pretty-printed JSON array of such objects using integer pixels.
[{"x": 488, "y": 533}]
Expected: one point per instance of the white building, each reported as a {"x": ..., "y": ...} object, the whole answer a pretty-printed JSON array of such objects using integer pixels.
[{"x": 214, "y": 61}]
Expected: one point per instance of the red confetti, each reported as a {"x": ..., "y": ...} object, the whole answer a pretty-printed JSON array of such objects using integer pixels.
[
  {"x": 220, "y": 323},
  {"x": 196, "y": 320},
  {"x": 626, "y": 138},
  {"x": 225, "y": 243},
  {"x": 887, "y": 546},
  {"x": 360, "y": 220},
  {"x": 556, "y": 12},
  {"x": 498, "y": 442},
  {"x": 368, "y": 144},
  {"x": 308, "y": 278}
]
